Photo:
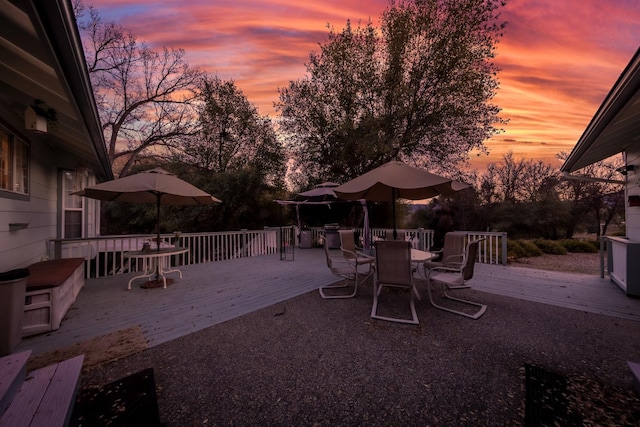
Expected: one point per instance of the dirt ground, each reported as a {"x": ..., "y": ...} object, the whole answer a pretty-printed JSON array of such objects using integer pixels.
[
  {"x": 587, "y": 263},
  {"x": 97, "y": 351}
]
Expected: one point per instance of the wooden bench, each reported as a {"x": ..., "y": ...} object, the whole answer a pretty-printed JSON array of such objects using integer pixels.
[
  {"x": 52, "y": 286},
  {"x": 44, "y": 397}
]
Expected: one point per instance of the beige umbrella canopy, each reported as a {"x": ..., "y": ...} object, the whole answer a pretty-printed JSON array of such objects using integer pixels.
[
  {"x": 152, "y": 186},
  {"x": 395, "y": 180},
  {"x": 155, "y": 186}
]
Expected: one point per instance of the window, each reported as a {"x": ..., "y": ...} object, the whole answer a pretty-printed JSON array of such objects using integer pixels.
[
  {"x": 73, "y": 206},
  {"x": 14, "y": 164}
]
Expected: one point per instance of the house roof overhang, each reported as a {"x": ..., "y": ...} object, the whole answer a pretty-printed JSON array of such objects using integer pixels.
[
  {"x": 615, "y": 126},
  {"x": 42, "y": 61}
]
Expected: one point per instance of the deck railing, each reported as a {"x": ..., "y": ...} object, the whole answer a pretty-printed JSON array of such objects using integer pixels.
[{"x": 106, "y": 255}]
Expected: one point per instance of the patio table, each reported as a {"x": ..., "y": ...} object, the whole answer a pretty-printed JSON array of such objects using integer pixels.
[
  {"x": 417, "y": 256},
  {"x": 156, "y": 262}
]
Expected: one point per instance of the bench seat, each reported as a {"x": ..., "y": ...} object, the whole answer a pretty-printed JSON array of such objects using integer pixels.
[
  {"x": 52, "y": 287},
  {"x": 44, "y": 397}
]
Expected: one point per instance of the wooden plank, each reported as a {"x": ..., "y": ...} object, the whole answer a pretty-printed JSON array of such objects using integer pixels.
[
  {"x": 575, "y": 291},
  {"x": 12, "y": 374},
  {"x": 57, "y": 404},
  {"x": 27, "y": 399}
]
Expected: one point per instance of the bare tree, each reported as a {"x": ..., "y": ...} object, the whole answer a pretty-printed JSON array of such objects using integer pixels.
[
  {"x": 145, "y": 97},
  {"x": 597, "y": 194},
  {"x": 508, "y": 176}
]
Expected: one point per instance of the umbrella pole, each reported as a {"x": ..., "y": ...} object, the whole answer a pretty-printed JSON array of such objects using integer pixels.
[
  {"x": 367, "y": 233},
  {"x": 393, "y": 212},
  {"x": 158, "y": 235}
]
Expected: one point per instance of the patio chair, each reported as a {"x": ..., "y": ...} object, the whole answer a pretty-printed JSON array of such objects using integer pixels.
[
  {"x": 451, "y": 254},
  {"x": 455, "y": 278},
  {"x": 394, "y": 269},
  {"x": 351, "y": 252},
  {"x": 341, "y": 268}
]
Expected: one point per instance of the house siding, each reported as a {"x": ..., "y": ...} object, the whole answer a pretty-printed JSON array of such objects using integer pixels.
[
  {"x": 21, "y": 248},
  {"x": 632, "y": 188}
]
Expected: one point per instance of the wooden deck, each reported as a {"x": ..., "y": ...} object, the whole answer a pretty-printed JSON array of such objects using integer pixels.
[{"x": 213, "y": 293}]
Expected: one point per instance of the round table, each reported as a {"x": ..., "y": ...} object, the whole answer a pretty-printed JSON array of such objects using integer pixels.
[{"x": 156, "y": 262}]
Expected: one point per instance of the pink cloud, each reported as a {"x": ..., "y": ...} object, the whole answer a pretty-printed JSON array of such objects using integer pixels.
[{"x": 558, "y": 58}]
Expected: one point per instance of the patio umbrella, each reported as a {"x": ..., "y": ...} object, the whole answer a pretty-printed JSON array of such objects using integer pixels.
[
  {"x": 395, "y": 180},
  {"x": 155, "y": 186},
  {"x": 323, "y": 194}
]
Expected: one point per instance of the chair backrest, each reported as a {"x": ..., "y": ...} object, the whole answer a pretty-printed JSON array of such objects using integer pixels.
[
  {"x": 347, "y": 243},
  {"x": 453, "y": 246},
  {"x": 393, "y": 262},
  {"x": 470, "y": 259}
]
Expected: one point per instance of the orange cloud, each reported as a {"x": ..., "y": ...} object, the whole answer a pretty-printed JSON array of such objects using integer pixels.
[{"x": 559, "y": 58}]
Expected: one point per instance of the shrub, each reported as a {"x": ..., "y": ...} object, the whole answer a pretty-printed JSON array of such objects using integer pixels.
[
  {"x": 550, "y": 247},
  {"x": 530, "y": 248},
  {"x": 522, "y": 249},
  {"x": 582, "y": 246},
  {"x": 515, "y": 249}
]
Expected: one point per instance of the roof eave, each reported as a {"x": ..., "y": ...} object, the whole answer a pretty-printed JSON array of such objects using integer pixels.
[
  {"x": 57, "y": 23},
  {"x": 625, "y": 88}
]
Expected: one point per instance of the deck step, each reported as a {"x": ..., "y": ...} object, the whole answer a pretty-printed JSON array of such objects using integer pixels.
[
  {"x": 46, "y": 396},
  {"x": 12, "y": 373},
  {"x": 635, "y": 370}
]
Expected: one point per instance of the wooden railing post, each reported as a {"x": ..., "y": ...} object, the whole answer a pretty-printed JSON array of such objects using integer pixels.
[{"x": 504, "y": 249}]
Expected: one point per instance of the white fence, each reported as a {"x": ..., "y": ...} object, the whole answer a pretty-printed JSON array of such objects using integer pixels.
[{"x": 105, "y": 256}]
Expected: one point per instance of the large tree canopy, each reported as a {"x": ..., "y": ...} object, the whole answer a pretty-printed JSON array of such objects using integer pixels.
[
  {"x": 417, "y": 89},
  {"x": 233, "y": 135}
]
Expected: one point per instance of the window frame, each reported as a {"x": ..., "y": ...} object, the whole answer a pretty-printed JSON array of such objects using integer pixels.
[
  {"x": 17, "y": 172},
  {"x": 79, "y": 182}
]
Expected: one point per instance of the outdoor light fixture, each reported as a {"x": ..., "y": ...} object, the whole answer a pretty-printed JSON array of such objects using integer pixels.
[
  {"x": 626, "y": 169},
  {"x": 34, "y": 121},
  {"x": 39, "y": 118}
]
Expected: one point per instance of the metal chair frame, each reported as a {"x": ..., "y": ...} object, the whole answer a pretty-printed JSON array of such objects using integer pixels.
[{"x": 456, "y": 278}]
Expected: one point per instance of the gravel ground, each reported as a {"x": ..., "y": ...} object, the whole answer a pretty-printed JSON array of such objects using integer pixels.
[{"x": 317, "y": 362}]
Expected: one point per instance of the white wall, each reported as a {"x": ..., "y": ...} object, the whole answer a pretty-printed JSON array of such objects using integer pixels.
[
  {"x": 632, "y": 213},
  {"x": 23, "y": 247}
]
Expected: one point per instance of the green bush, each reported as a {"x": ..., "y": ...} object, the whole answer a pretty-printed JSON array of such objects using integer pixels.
[
  {"x": 575, "y": 245},
  {"x": 522, "y": 249},
  {"x": 515, "y": 249},
  {"x": 550, "y": 247},
  {"x": 530, "y": 248}
]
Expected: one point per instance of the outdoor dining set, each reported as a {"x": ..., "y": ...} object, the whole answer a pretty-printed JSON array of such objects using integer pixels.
[{"x": 394, "y": 263}]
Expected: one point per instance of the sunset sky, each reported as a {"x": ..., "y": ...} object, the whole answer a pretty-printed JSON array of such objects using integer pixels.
[{"x": 559, "y": 58}]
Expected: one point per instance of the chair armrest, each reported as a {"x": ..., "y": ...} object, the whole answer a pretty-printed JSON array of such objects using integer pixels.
[
  {"x": 453, "y": 260},
  {"x": 338, "y": 260},
  {"x": 443, "y": 270},
  {"x": 356, "y": 257}
]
